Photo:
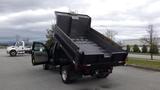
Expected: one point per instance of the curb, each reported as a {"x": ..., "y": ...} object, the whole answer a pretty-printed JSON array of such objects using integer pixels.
[{"x": 141, "y": 67}]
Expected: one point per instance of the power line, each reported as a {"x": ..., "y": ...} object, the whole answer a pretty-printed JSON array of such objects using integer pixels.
[{"x": 128, "y": 26}]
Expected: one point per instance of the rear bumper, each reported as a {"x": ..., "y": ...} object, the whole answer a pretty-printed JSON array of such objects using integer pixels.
[
  {"x": 119, "y": 63},
  {"x": 119, "y": 59},
  {"x": 90, "y": 69}
]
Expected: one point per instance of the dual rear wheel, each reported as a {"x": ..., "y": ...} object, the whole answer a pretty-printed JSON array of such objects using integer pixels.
[
  {"x": 66, "y": 74},
  {"x": 65, "y": 71}
]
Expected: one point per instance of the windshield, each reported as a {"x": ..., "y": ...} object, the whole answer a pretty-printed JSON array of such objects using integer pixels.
[{"x": 19, "y": 44}]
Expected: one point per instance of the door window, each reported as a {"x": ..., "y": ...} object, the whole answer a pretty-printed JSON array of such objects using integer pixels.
[{"x": 39, "y": 47}]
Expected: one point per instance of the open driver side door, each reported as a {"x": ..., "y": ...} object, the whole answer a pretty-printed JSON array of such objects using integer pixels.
[{"x": 40, "y": 54}]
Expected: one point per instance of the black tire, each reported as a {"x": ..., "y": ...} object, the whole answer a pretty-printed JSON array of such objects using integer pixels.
[
  {"x": 46, "y": 66},
  {"x": 66, "y": 74},
  {"x": 33, "y": 61},
  {"x": 13, "y": 53},
  {"x": 102, "y": 75}
]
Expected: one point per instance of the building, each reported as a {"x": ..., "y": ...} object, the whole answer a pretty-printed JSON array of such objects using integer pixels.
[{"x": 138, "y": 42}]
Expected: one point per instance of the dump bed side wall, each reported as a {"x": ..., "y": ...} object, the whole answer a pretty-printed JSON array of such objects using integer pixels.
[
  {"x": 68, "y": 45},
  {"x": 109, "y": 45},
  {"x": 117, "y": 53}
]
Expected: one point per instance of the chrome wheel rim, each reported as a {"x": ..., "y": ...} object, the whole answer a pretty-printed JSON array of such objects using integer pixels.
[
  {"x": 64, "y": 75},
  {"x": 13, "y": 53}
]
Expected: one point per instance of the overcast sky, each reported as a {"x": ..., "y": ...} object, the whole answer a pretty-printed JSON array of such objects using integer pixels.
[{"x": 31, "y": 18}]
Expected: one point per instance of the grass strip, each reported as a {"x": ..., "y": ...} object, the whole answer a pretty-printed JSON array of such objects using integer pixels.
[{"x": 155, "y": 64}]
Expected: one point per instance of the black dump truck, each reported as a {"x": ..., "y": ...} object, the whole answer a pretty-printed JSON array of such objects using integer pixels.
[{"x": 78, "y": 49}]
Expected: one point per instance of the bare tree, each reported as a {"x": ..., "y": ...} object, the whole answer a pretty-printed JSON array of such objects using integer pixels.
[
  {"x": 50, "y": 35},
  {"x": 150, "y": 39},
  {"x": 119, "y": 42},
  {"x": 111, "y": 34},
  {"x": 73, "y": 11}
]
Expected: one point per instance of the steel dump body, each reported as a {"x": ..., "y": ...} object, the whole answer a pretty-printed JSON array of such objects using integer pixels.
[{"x": 84, "y": 45}]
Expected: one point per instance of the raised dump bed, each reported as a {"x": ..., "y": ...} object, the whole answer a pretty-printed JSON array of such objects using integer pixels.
[{"x": 74, "y": 30}]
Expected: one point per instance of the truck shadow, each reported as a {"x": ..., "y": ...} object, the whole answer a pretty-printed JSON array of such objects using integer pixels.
[
  {"x": 20, "y": 55},
  {"x": 90, "y": 83}
]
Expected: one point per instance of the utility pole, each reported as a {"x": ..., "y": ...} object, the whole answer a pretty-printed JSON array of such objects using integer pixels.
[{"x": 151, "y": 40}]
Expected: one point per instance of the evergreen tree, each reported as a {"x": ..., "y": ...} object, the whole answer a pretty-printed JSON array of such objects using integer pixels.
[
  {"x": 128, "y": 48},
  {"x": 50, "y": 36},
  {"x": 144, "y": 49},
  {"x": 154, "y": 49},
  {"x": 136, "y": 48}
]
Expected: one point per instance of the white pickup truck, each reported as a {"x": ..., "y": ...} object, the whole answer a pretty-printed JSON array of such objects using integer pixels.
[{"x": 18, "y": 48}]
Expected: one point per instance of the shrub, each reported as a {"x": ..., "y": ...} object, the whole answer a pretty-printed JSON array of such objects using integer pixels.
[
  {"x": 136, "y": 48},
  {"x": 154, "y": 49},
  {"x": 144, "y": 49},
  {"x": 128, "y": 48}
]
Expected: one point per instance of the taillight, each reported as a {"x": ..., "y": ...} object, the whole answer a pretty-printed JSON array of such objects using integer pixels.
[{"x": 87, "y": 65}]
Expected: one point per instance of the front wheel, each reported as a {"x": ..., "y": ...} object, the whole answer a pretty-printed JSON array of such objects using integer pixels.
[
  {"x": 13, "y": 53},
  {"x": 66, "y": 74}
]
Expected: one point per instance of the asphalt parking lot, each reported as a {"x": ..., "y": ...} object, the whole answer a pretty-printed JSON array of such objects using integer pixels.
[{"x": 17, "y": 73}]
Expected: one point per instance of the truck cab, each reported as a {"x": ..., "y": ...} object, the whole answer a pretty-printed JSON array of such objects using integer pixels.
[{"x": 18, "y": 48}]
